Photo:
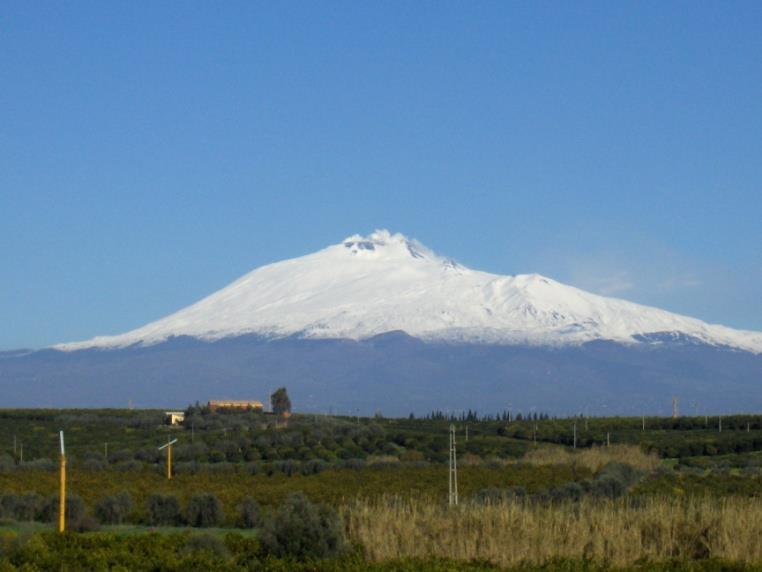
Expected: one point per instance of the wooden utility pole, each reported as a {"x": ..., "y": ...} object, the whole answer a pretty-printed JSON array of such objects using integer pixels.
[
  {"x": 608, "y": 439},
  {"x": 674, "y": 408}
]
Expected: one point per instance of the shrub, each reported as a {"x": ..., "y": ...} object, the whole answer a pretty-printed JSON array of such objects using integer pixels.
[
  {"x": 93, "y": 465},
  {"x": 206, "y": 543},
  {"x": 29, "y": 506},
  {"x": 121, "y": 456},
  {"x": 185, "y": 468},
  {"x": 493, "y": 495},
  {"x": 614, "y": 480},
  {"x": 303, "y": 530},
  {"x": 569, "y": 491},
  {"x": 250, "y": 514},
  {"x": 39, "y": 465},
  {"x": 163, "y": 510},
  {"x": 129, "y": 466},
  {"x": 6, "y": 463},
  {"x": 288, "y": 468},
  {"x": 204, "y": 510},
  {"x": 114, "y": 509},
  {"x": 77, "y": 518},
  {"x": 314, "y": 466},
  {"x": 8, "y": 506},
  {"x": 220, "y": 468},
  {"x": 608, "y": 487},
  {"x": 624, "y": 473},
  {"x": 148, "y": 455},
  {"x": 353, "y": 464}
]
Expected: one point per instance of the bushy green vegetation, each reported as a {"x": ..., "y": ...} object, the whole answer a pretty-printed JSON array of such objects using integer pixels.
[
  {"x": 152, "y": 494},
  {"x": 242, "y": 469},
  {"x": 203, "y": 551},
  {"x": 307, "y": 444}
]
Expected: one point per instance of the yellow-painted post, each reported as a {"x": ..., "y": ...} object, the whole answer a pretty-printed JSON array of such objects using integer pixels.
[
  {"x": 62, "y": 492},
  {"x": 169, "y": 463},
  {"x": 168, "y": 447}
]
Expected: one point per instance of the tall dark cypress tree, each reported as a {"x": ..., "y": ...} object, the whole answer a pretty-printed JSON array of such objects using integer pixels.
[{"x": 280, "y": 401}]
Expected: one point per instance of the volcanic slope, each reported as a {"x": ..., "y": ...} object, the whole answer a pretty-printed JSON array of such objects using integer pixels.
[{"x": 383, "y": 282}]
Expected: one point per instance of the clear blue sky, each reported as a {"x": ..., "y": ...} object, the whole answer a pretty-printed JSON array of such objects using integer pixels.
[{"x": 151, "y": 152}]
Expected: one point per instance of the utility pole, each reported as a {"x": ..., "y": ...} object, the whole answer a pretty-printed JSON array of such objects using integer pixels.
[
  {"x": 643, "y": 420},
  {"x": 62, "y": 491},
  {"x": 168, "y": 447},
  {"x": 674, "y": 408},
  {"x": 453, "y": 498},
  {"x": 720, "y": 423},
  {"x": 608, "y": 439},
  {"x": 21, "y": 453}
]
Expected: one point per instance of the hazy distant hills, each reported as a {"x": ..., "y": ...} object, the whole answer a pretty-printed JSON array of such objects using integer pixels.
[
  {"x": 394, "y": 373},
  {"x": 381, "y": 322}
]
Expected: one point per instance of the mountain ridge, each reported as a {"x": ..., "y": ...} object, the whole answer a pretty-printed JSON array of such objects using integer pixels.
[{"x": 365, "y": 286}]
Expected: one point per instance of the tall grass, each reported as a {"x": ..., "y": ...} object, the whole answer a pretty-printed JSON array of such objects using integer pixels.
[
  {"x": 594, "y": 458},
  {"x": 619, "y": 532}
]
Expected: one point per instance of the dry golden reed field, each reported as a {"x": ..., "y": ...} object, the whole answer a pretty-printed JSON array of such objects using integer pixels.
[
  {"x": 618, "y": 532},
  {"x": 612, "y": 531},
  {"x": 594, "y": 458}
]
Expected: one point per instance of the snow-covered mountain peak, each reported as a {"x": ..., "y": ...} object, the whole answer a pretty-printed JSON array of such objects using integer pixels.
[
  {"x": 382, "y": 282},
  {"x": 382, "y": 244}
]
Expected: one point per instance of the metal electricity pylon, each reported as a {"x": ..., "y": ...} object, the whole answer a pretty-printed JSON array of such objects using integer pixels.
[{"x": 453, "y": 499}]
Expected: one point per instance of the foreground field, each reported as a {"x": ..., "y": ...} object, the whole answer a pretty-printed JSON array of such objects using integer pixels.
[
  {"x": 182, "y": 552},
  {"x": 252, "y": 492}
]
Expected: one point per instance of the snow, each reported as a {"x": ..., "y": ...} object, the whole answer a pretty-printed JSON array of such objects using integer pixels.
[{"x": 368, "y": 285}]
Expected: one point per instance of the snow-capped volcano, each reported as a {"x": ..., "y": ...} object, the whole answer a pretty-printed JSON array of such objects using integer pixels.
[{"x": 369, "y": 285}]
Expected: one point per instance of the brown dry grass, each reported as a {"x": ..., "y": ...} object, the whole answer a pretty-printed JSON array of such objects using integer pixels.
[
  {"x": 607, "y": 531},
  {"x": 594, "y": 458}
]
